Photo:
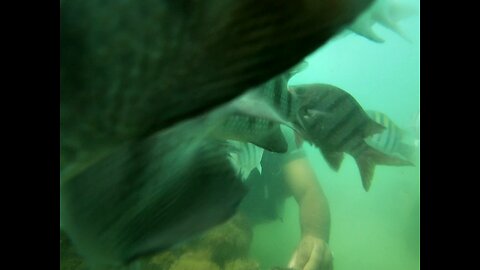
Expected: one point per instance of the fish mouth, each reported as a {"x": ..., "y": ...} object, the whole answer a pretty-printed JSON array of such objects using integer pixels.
[{"x": 310, "y": 123}]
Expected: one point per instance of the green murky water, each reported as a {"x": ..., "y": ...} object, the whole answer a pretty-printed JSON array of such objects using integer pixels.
[
  {"x": 378, "y": 230},
  {"x": 375, "y": 230}
]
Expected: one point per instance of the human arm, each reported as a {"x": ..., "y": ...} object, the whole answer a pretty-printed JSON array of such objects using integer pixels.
[{"x": 313, "y": 251}]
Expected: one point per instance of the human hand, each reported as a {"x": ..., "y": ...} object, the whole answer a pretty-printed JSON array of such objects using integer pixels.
[{"x": 312, "y": 254}]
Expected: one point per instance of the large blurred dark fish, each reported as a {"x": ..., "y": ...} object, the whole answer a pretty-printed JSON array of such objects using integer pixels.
[
  {"x": 130, "y": 182},
  {"x": 148, "y": 196},
  {"x": 333, "y": 121},
  {"x": 131, "y": 68}
]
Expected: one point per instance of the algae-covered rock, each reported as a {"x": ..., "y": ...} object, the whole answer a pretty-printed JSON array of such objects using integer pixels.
[
  {"x": 242, "y": 264},
  {"x": 223, "y": 248},
  {"x": 69, "y": 259},
  {"x": 160, "y": 261},
  {"x": 228, "y": 241},
  {"x": 195, "y": 260}
]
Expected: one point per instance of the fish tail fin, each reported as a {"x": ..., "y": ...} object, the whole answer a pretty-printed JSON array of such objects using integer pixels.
[
  {"x": 407, "y": 150},
  {"x": 371, "y": 157},
  {"x": 408, "y": 144}
]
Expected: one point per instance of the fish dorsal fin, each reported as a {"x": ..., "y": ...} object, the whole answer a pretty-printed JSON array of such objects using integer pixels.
[{"x": 334, "y": 159}]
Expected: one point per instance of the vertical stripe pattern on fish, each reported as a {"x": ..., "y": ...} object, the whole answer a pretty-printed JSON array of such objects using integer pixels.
[
  {"x": 393, "y": 140},
  {"x": 335, "y": 122},
  {"x": 245, "y": 157}
]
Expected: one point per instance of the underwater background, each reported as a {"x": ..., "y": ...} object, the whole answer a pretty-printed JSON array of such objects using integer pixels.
[
  {"x": 378, "y": 229},
  {"x": 374, "y": 230}
]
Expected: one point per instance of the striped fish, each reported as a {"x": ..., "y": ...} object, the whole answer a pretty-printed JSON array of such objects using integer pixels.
[
  {"x": 150, "y": 195},
  {"x": 276, "y": 94},
  {"x": 256, "y": 116},
  {"x": 393, "y": 140},
  {"x": 245, "y": 157},
  {"x": 258, "y": 131},
  {"x": 131, "y": 68},
  {"x": 335, "y": 122}
]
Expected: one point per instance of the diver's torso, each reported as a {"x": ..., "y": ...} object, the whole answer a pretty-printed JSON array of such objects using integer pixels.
[{"x": 268, "y": 190}]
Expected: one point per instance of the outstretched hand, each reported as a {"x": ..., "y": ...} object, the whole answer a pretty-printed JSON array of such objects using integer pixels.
[{"x": 312, "y": 254}]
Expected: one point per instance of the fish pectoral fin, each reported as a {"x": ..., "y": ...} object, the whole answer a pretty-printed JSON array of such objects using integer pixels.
[
  {"x": 334, "y": 159},
  {"x": 407, "y": 150},
  {"x": 371, "y": 157}
]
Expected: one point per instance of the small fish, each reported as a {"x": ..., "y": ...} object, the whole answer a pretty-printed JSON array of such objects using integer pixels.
[
  {"x": 252, "y": 120},
  {"x": 163, "y": 172},
  {"x": 393, "y": 140},
  {"x": 335, "y": 122},
  {"x": 245, "y": 157},
  {"x": 256, "y": 116}
]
